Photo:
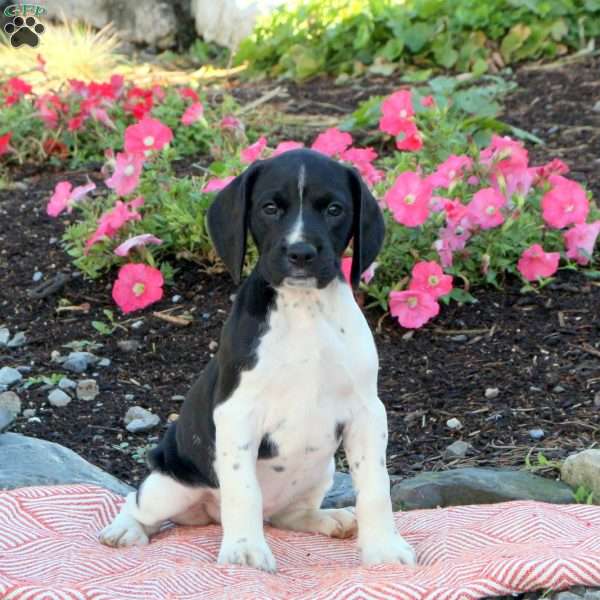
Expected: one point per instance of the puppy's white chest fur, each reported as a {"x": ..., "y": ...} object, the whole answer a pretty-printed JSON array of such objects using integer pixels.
[{"x": 316, "y": 366}]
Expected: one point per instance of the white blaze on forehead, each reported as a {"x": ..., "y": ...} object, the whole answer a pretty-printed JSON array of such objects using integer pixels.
[{"x": 295, "y": 234}]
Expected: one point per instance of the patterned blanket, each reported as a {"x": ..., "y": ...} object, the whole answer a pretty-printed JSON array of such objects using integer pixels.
[{"x": 49, "y": 551}]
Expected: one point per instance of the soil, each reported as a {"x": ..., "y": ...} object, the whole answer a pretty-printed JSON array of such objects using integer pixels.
[{"x": 541, "y": 352}]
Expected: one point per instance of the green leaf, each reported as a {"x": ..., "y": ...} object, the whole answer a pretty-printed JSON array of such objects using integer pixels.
[
  {"x": 102, "y": 327},
  {"x": 417, "y": 36}
]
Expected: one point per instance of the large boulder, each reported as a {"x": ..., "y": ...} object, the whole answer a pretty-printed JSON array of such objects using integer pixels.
[
  {"x": 583, "y": 469},
  {"x": 476, "y": 485},
  {"x": 28, "y": 461}
]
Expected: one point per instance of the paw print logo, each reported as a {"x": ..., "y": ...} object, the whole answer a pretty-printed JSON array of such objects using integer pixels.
[{"x": 24, "y": 31}]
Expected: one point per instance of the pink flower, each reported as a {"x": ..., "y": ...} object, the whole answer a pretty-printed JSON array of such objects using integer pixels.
[
  {"x": 455, "y": 211},
  {"x": 554, "y": 167},
  {"x": 362, "y": 159},
  {"x": 409, "y": 138},
  {"x": 76, "y": 123},
  {"x": 215, "y": 184},
  {"x": 450, "y": 171},
  {"x": 332, "y": 142},
  {"x": 408, "y": 199},
  {"x": 231, "y": 122},
  {"x": 427, "y": 101},
  {"x": 111, "y": 221},
  {"x": 127, "y": 173},
  {"x": 484, "y": 209},
  {"x": 565, "y": 204},
  {"x": 347, "y": 269},
  {"x": 48, "y": 106},
  {"x": 413, "y": 308},
  {"x": 99, "y": 114},
  {"x": 65, "y": 196},
  {"x": 535, "y": 263},
  {"x": 504, "y": 155},
  {"x": 137, "y": 286},
  {"x": 442, "y": 247},
  {"x": 138, "y": 240},
  {"x": 518, "y": 181},
  {"x": 192, "y": 113},
  {"x": 189, "y": 94},
  {"x": 396, "y": 110},
  {"x": 286, "y": 146},
  {"x": 4, "y": 142},
  {"x": 580, "y": 241},
  {"x": 253, "y": 152},
  {"x": 428, "y": 277},
  {"x": 148, "y": 134}
]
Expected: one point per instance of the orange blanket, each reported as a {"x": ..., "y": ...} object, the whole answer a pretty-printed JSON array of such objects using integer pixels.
[{"x": 49, "y": 551}]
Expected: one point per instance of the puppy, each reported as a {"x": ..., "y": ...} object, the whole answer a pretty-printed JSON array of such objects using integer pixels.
[{"x": 295, "y": 375}]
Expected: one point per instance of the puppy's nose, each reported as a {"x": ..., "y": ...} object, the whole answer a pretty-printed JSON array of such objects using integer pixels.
[{"x": 301, "y": 253}]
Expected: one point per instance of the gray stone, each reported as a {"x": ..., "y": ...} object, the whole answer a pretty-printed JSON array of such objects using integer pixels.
[
  {"x": 4, "y": 336},
  {"x": 37, "y": 276},
  {"x": 592, "y": 594},
  {"x": 78, "y": 362},
  {"x": 341, "y": 493},
  {"x": 128, "y": 346},
  {"x": 476, "y": 486},
  {"x": 67, "y": 384},
  {"x": 558, "y": 389},
  {"x": 583, "y": 468},
  {"x": 138, "y": 420},
  {"x": 104, "y": 362},
  {"x": 9, "y": 376},
  {"x": 491, "y": 393},
  {"x": 176, "y": 298},
  {"x": 178, "y": 398},
  {"x": 87, "y": 389},
  {"x": 597, "y": 399},
  {"x": 457, "y": 449},
  {"x": 137, "y": 324},
  {"x": 212, "y": 345},
  {"x": 536, "y": 434},
  {"x": 454, "y": 424},
  {"x": 11, "y": 402},
  {"x": 596, "y": 108},
  {"x": 7, "y": 418},
  {"x": 58, "y": 398},
  {"x": 566, "y": 596},
  {"x": 29, "y": 412},
  {"x": 461, "y": 337},
  {"x": 28, "y": 461},
  {"x": 18, "y": 340}
]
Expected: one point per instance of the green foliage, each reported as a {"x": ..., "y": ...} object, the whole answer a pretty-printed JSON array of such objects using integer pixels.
[
  {"x": 51, "y": 379},
  {"x": 304, "y": 39},
  {"x": 583, "y": 495},
  {"x": 109, "y": 326}
]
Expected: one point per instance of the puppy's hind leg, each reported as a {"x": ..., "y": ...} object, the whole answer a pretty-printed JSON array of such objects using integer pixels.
[{"x": 158, "y": 499}]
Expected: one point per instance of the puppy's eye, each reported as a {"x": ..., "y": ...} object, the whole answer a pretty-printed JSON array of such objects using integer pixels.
[
  {"x": 270, "y": 209},
  {"x": 334, "y": 210}
]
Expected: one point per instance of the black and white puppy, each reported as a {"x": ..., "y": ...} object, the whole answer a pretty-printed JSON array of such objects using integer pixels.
[{"x": 295, "y": 375}]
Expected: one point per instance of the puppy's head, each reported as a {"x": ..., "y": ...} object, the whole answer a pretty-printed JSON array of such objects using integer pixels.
[{"x": 302, "y": 209}]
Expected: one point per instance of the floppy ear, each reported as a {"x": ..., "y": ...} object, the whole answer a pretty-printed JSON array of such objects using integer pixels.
[
  {"x": 227, "y": 221},
  {"x": 368, "y": 228}
]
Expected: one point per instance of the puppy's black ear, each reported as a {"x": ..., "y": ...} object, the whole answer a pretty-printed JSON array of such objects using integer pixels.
[
  {"x": 228, "y": 221},
  {"x": 368, "y": 229}
]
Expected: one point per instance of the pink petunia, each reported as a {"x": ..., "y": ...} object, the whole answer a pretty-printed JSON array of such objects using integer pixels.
[
  {"x": 192, "y": 113},
  {"x": 137, "y": 286},
  {"x": 442, "y": 247},
  {"x": 362, "y": 159},
  {"x": 427, "y": 101},
  {"x": 332, "y": 142},
  {"x": 215, "y": 184},
  {"x": 65, "y": 196},
  {"x": 251, "y": 153},
  {"x": 127, "y": 173},
  {"x": 517, "y": 181},
  {"x": 535, "y": 263},
  {"x": 450, "y": 171},
  {"x": 427, "y": 276},
  {"x": 367, "y": 276},
  {"x": 100, "y": 115},
  {"x": 565, "y": 204},
  {"x": 580, "y": 241},
  {"x": 4, "y": 142},
  {"x": 408, "y": 199},
  {"x": 409, "y": 137},
  {"x": 554, "y": 167},
  {"x": 231, "y": 122},
  {"x": 111, "y": 221},
  {"x": 484, "y": 208},
  {"x": 149, "y": 134},
  {"x": 136, "y": 241},
  {"x": 396, "y": 110},
  {"x": 286, "y": 146},
  {"x": 504, "y": 155},
  {"x": 187, "y": 93},
  {"x": 413, "y": 308}
]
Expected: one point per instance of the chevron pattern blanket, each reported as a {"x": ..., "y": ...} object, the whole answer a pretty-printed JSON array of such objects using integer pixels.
[{"x": 49, "y": 551}]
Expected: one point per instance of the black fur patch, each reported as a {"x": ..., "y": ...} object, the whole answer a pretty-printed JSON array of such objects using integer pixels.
[{"x": 268, "y": 448}]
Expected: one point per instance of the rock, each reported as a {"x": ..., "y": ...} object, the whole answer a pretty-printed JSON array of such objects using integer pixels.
[
  {"x": 597, "y": 399},
  {"x": 78, "y": 362},
  {"x": 341, "y": 493},
  {"x": 461, "y": 337},
  {"x": 7, "y": 418},
  {"x": 66, "y": 384},
  {"x": 37, "y": 276},
  {"x": 178, "y": 398},
  {"x": 104, "y": 362},
  {"x": 18, "y": 340},
  {"x": 596, "y": 108},
  {"x": 34, "y": 420},
  {"x": 453, "y": 424},
  {"x": 137, "y": 324},
  {"x": 583, "y": 468},
  {"x": 212, "y": 345},
  {"x": 4, "y": 336},
  {"x": 9, "y": 376},
  {"x": 566, "y": 596},
  {"x": 172, "y": 417},
  {"x": 11, "y": 402},
  {"x": 138, "y": 420},
  {"x": 458, "y": 449},
  {"x": 129, "y": 397},
  {"x": 87, "y": 389},
  {"x": 558, "y": 389},
  {"x": 176, "y": 298},
  {"x": 128, "y": 346},
  {"x": 536, "y": 434},
  {"x": 29, "y": 412},
  {"x": 476, "y": 485},
  {"x": 58, "y": 398},
  {"x": 592, "y": 594},
  {"x": 28, "y": 461},
  {"x": 491, "y": 393}
]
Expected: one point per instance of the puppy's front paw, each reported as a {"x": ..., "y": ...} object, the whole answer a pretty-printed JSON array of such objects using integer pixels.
[
  {"x": 387, "y": 550},
  {"x": 252, "y": 553},
  {"x": 124, "y": 531}
]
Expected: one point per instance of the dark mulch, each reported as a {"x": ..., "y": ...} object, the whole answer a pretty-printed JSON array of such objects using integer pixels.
[{"x": 542, "y": 351}]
